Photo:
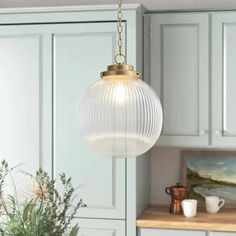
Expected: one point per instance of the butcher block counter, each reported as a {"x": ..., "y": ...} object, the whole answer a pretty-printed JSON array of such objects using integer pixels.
[{"x": 159, "y": 217}]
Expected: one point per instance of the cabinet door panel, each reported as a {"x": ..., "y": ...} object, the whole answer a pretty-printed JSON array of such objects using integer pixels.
[
  {"x": 222, "y": 234},
  {"x": 179, "y": 73},
  {"x": 22, "y": 88},
  {"x": 92, "y": 227},
  {"x": 223, "y": 79},
  {"x": 81, "y": 52},
  {"x": 167, "y": 232}
]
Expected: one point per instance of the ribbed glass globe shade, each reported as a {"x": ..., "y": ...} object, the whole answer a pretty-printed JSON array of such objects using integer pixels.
[{"x": 120, "y": 117}]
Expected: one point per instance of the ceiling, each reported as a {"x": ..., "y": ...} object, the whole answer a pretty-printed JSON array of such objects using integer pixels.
[{"x": 152, "y": 5}]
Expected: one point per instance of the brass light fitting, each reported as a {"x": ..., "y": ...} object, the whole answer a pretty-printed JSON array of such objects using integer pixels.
[
  {"x": 120, "y": 70},
  {"x": 113, "y": 103}
]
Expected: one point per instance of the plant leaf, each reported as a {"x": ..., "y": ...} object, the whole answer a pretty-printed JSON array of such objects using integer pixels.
[
  {"x": 27, "y": 209},
  {"x": 74, "y": 231}
]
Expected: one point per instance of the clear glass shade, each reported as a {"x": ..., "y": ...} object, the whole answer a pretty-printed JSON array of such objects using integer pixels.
[{"x": 120, "y": 117}]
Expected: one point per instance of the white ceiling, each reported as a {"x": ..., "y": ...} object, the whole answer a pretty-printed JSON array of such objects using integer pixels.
[{"x": 151, "y": 5}]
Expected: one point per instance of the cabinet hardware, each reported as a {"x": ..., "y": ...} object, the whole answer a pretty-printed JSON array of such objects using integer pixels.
[
  {"x": 203, "y": 132},
  {"x": 218, "y": 132}
]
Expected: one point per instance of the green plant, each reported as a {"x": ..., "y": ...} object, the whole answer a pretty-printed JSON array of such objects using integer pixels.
[{"x": 46, "y": 213}]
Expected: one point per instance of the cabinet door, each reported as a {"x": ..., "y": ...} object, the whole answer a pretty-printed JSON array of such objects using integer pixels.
[
  {"x": 167, "y": 232},
  {"x": 223, "y": 79},
  {"x": 81, "y": 52},
  {"x": 179, "y": 74},
  {"x": 24, "y": 93},
  {"x": 222, "y": 233},
  {"x": 92, "y": 227}
]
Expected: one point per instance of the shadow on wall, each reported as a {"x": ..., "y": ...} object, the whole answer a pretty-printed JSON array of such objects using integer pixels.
[{"x": 165, "y": 172}]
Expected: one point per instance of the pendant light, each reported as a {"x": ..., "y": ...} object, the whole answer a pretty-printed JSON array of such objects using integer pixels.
[{"x": 120, "y": 115}]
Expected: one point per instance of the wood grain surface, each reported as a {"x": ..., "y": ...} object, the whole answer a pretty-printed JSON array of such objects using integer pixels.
[{"x": 159, "y": 217}]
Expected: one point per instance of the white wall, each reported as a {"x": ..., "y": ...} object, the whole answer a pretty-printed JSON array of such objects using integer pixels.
[{"x": 165, "y": 172}]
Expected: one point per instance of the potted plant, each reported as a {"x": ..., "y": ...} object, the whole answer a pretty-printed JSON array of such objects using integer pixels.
[{"x": 46, "y": 213}]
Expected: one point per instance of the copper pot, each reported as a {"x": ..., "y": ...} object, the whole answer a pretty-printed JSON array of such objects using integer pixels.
[{"x": 178, "y": 194}]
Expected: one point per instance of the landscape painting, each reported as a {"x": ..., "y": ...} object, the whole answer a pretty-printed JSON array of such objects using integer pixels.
[{"x": 210, "y": 173}]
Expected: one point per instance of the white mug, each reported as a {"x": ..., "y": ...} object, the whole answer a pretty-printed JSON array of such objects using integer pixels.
[
  {"x": 213, "y": 204},
  {"x": 189, "y": 207}
]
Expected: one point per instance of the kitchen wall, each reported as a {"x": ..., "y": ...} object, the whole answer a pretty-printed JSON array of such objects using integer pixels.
[{"x": 165, "y": 171}]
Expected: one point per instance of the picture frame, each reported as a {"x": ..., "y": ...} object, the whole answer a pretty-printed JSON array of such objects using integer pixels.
[{"x": 210, "y": 173}]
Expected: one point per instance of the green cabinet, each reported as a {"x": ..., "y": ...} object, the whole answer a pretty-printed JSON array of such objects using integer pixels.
[
  {"x": 101, "y": 227},
  {"x": 192, "y": 64},
  {"x": 48, "y": 59},
  {"x": 221, "y": 234},
  {"x": 179, "y": 73},
  {"x": 179, "y": 232},
  {"x": 223, "y": 81},
  {"x": 24, "y": 93},
  {"x": 169, "y": 232},
  {"x": 80, "y": 52},
  {"x": 32, "y": 94}
]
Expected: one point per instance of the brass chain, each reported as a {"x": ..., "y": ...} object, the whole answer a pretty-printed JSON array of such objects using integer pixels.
[
  {"x": 119, "y": 26},
  {"x": 120, "y": 58}
]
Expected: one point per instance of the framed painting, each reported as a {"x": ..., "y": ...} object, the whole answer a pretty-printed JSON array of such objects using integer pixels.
[{"x": 210, "y": 173}]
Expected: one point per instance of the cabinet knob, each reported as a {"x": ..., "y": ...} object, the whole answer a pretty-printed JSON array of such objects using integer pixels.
[
  {"x": 203, "y": 132},
  {"x": 224, "y": 133},
  {"x": 218, "y": 132}
]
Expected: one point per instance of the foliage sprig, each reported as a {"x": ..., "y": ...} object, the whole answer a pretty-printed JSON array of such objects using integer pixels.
[{"x": 48, "y": 212}]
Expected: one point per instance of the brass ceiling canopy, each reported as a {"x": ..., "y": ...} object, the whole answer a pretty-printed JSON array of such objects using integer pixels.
[{"x": 121, "y": 70}]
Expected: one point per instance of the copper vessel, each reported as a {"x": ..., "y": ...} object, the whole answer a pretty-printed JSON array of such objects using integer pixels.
[{"x": 178, "y": 194}]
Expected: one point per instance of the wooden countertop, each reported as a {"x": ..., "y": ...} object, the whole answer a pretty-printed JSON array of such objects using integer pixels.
[{"x": 159, "y": 217}]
